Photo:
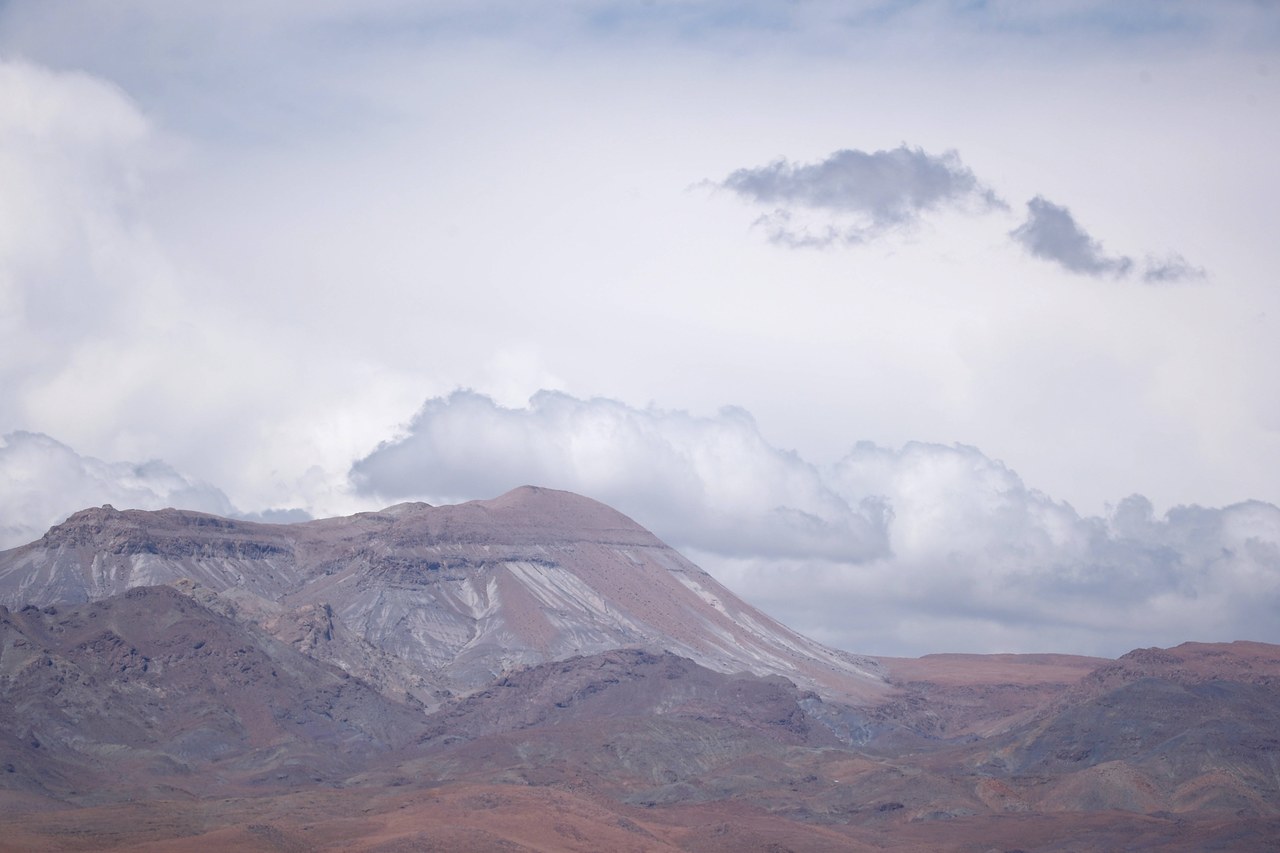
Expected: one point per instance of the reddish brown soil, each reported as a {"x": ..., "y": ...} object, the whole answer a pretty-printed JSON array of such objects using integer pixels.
[
  {"x": 517, "y": 818},
  {"x": 954, "y": 670}
]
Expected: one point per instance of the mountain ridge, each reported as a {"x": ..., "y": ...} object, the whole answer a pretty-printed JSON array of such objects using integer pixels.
[{"x": 461, "y": 593}]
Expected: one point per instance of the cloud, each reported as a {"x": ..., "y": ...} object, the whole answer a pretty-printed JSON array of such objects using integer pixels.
[
  {"x": 709, "y": 482},
  {"x": 980, "y": 562},
  {"x": 71, "y": 148},
  {"x": 857, "y": 195},
  {"x": 116, "y": 338},
  {"x": 78, "y": 270},
  {"x": 247, "y": 360},
  {"x": 42, "y": 481},
  {"x": 275, "y": 516},
  {"x": 1051, "y": 232},
  {"x": 1172, "y": 269},
  {"x": 924, "y": 548}
]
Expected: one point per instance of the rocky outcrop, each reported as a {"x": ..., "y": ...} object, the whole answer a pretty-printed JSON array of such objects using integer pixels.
[{"x": 151, "y": 688}]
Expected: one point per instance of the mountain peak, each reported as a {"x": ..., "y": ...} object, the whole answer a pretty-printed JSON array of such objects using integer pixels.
[
  {"x": 525, "y": 516},
  {"x": 556, "y": 509}
]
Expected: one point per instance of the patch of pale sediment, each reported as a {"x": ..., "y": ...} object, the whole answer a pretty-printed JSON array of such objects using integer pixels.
[
  {"x": 698, "y": 589},
  {"x": 764, "y": 646},
  {"x": 267, "y": 578},
  {"x": 717, "y": 636},
  {"x": 783, "y": 637},
  {"x": 671, "y": 561},
  {"x": 571, "y": 632},
  {"x": 557, "y": 588},
  {"x": 41, "y": 578},
  {"x": 412, "y": 626},
  {"x": 757, "y": 635},
  {"x": 250, "y": 605},
  {"x": 473, "y": 596},
  {"x": 629, "y": 555},
  {"x": 104, "y": 574}
]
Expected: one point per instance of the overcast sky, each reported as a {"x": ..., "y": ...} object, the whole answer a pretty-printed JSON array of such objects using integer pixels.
[{"x": 922, "y": 325}]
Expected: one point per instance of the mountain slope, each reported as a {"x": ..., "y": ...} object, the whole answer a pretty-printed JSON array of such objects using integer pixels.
[
  {"x": 150, "y": 688},
  {"x": 1192, "y": 727},
  {"x": 458, "y": 593}
]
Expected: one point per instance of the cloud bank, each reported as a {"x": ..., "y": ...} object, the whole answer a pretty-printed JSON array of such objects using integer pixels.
[
  {"x": 979, "y": 558},
  {"x": 887, "y": 551},
  {"x": 858, "y": 195},
  {"x": 904, "y": 551}
]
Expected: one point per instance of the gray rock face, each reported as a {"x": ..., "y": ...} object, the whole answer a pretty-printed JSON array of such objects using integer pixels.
[{"x": 422, "y": 599}]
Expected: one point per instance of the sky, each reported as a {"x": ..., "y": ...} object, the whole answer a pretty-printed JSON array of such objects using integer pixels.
[{"x": 924, "y": 326}]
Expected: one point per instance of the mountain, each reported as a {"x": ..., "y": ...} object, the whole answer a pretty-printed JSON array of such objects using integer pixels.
[
  {"x": 147, "y": 719},
  {"x": 432, "y": 600},
  {"x": 537, "y": 672},
  {"x": 150, "y": 691},
  {"x": 1192, "y": 727}
]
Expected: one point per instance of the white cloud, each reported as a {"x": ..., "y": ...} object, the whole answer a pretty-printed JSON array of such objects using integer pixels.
[
  {"x": 980, "y": 562},
  {"x": 921, "y": 549},
  {"x": 709, "y": 482},
  {"x": 112, "y": 339},
  {"x": 71, "y": 151},
  {"x": 42, "y": 481}
]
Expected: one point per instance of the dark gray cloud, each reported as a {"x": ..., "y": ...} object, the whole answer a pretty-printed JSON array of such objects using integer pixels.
[
  {"x": 858, "y": 194},
  {"x": 1052, "y": 233}
]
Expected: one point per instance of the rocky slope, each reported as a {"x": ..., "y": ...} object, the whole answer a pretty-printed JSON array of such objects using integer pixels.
[
  {"x": 1183, "y": 729},
  {"x": 460, "y": 594},
  {"x": 149, "y": 691}
]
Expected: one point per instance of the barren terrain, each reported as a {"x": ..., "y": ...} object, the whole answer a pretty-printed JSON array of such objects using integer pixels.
[{"x": 180, "y": 682}]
